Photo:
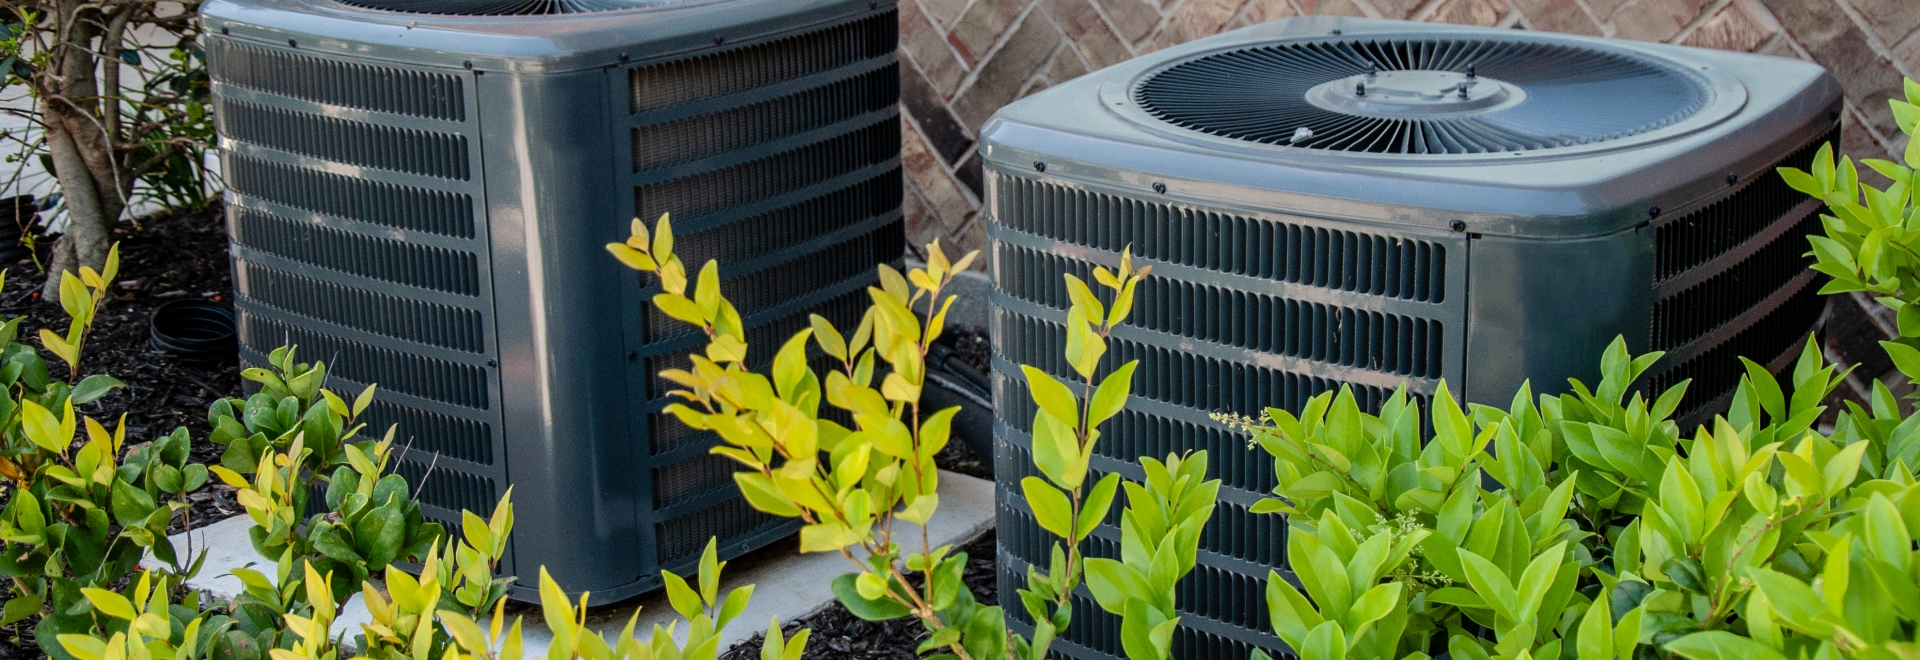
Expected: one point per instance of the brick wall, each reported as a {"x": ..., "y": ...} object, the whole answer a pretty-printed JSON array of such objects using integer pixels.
[{"x": 963, "y": 59}]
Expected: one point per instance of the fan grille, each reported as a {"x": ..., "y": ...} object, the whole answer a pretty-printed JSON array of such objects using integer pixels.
[
  {"x": 1575, "y": 95},
  {"x": 505, "y": 7}
]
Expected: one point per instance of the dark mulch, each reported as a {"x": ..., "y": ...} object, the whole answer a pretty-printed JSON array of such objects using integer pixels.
[
  {"x": 838, "y": 635},
  {"x": 162, "y": 258}
]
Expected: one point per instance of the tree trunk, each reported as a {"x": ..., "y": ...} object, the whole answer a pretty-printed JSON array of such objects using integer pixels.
[{"x": 85, "y": 163}]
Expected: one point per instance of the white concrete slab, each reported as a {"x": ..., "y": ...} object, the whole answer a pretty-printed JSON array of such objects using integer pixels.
[{"x": 789, "y": 585}]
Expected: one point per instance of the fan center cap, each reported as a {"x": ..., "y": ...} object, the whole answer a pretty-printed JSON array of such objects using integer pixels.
[{"x": 1414, "y": 93}]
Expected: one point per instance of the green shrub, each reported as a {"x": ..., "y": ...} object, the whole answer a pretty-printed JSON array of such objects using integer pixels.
[{"x": 850, "y": 485}]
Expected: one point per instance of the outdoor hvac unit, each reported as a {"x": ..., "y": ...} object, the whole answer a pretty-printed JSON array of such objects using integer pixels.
[
  {"x": 419, "y": 195},
  {"x": 1365, "y": 203}
]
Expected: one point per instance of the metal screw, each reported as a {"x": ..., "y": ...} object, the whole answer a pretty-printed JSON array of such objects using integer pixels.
[
  {"x": 1360, "y": 89},
  {"x": 1471, "y": 73},
  {"x": 1336, "y": 31},
  {"x": 633, "y": 356},
  {"x": 467, "y": 63},
  {"x": 1457, "y": 225},
  {"x": 1372, "y": 70},
  {"x": 493, "y": 363},
  {"x": 717, "y": 40},
  {"x": 293, "y": 44},
  {"x": 1733, "y": 179},
  {"x": 1160, "y": 187},
  {"x": 225, "y": 31},
  {"x": 1653, "y": 212},
  {"x": 624, "y": 57},
  {"x": 1039, "y": 166},
  {"x": 1463, "y": 91}
]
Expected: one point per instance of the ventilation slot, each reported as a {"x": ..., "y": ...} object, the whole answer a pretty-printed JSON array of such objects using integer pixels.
[
  {"x": 760, "y": 65},
  {"x": 1386, "y": 343},
  {"x": 381, "y": 89},
  {"x": 401, "y": 207},
  {"x": 1372, "y": 264},
  {"x": 687, "y": 140},
  {"x": 687, "y": 480},
  {"x": 1700, "y": 309},
  {"x": 1698, "y": 237},
  {"x": 750, "y": 238},
  {"x": 441, "y": 155},
  {"x": 773, "y": 286},
  {"x": 448, "y": 489},
  {"x": 399, "y": 318},
  {"x": 453, "y": 437},
  {"x": 685, "y": 537},
  {"x": 705, "y": 193},
  {"x": 387, "y": 260},
  {"x": 1718, "y": 371},
  {"x": 1172, "y": 376},
  {"x": 427, "y": 378}
]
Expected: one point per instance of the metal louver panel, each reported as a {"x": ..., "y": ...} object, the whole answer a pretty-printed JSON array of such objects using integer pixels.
[
  {"x": 334, "y": 82},
  {"x": 780, "y": 160},
  {"x": 441, "y": 155},
  {"x": 1732, "y": 280},
  {"x": 379, "y": 274},
  {"x": 1241, "y": 313}
]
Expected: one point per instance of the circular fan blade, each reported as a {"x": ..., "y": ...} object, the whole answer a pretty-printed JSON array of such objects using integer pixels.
[{"x": 1573, "y": 95}]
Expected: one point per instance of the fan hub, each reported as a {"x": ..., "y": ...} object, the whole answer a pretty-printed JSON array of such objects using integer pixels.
[{"x": 1414, "y": 93}]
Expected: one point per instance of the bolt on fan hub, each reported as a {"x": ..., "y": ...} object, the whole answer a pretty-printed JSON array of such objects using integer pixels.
[{"x": 1414, "y": 93}]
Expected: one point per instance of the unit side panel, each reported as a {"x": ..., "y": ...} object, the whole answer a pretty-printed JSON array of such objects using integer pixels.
[
  {"x": 779, "y": 160},
  {"x": 360, "y": 236},
  {"x": 1731, "y": 279},
  {"x": 1244, "y": 310}
]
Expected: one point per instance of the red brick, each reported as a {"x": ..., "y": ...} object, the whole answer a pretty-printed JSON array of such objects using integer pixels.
[
  {"x": 943, "y": 196},
  {"x": 1196, "y": 19},
  {"x": 1331, "y": 8},
  {"x": 1655, "y": 20},
  {"x": 972, "y": 236},
  {"x": 1470, "y": 12},
  {"x": 1604, "y": 9},
  {"x": 928, "y": 48},
  {"x": 923, "y": 225},
  {"x": 1261, "y": 11},
  {"x": 1090, "y": 33},
  {"x": 943, "y": 12},
  {"x": 1910, "y": 53},
  {"x": 1396, "y": 8},
  {"x": 1066, "y": 66},
  {"x": 1824, "y": 29},
  {"x": 1732, "y": 28},
  {"x": 1892, "y": 20},
  {"x": 979, "y": 28},
  {"x": 1134, "y": 19},
  {"x": 1002, "y": 76},
  {"x": 1560, "y": 16},
  {"x": 1860, "y": 144}
]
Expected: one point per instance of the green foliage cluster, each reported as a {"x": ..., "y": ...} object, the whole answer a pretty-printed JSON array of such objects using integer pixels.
[
  {"x": 851, "y": 485},
  {"x": 1590, "y": 526}
]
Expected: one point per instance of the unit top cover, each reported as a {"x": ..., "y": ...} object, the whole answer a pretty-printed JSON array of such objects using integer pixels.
[
  {"x": 522, "y": 36},
  {"x": 1511, "y": 132}
]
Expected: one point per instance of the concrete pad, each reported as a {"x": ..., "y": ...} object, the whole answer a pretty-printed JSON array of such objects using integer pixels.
[{"x": 789, "y": 585}]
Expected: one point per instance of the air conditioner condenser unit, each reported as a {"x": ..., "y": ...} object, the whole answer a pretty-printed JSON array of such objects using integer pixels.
[
  {"x": 1332, "y": 202},
  {"x": 419, "y": 193}
]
